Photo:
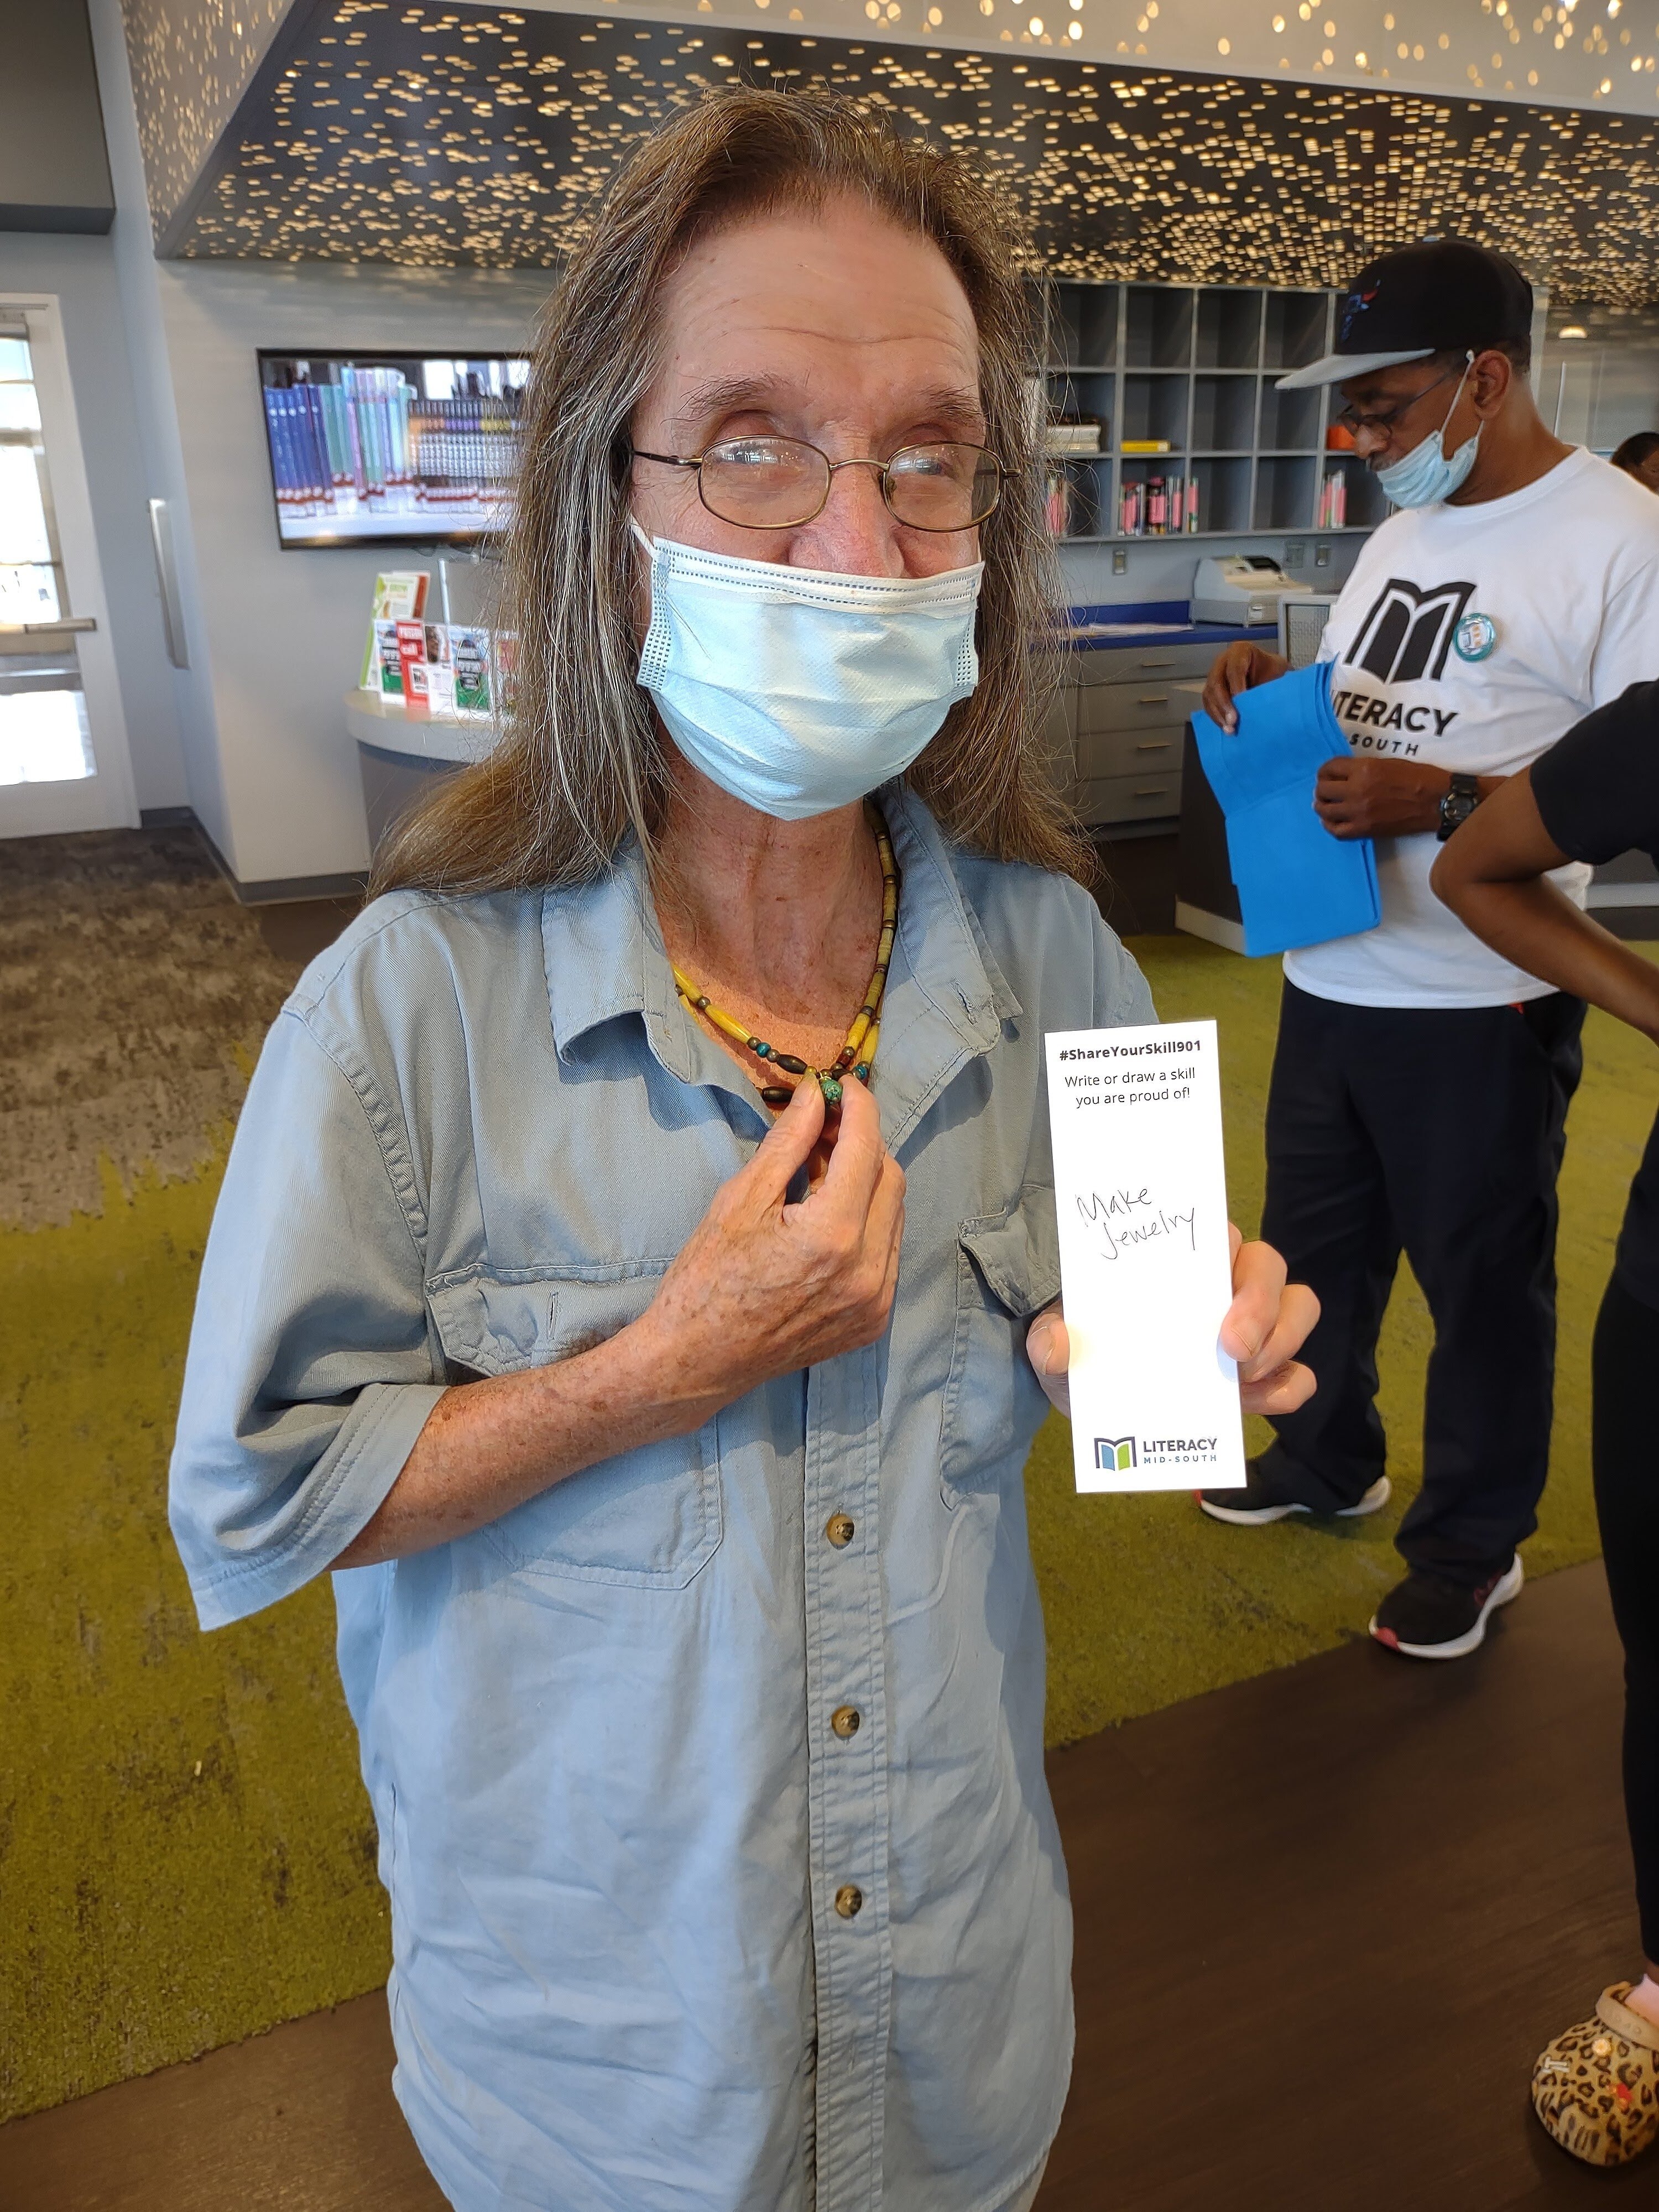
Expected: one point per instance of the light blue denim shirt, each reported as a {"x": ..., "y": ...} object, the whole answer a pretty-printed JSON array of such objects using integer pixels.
[{"x": 614, "y": 1819}]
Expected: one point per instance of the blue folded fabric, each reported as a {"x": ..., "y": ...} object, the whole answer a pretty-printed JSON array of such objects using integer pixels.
[{"x": 1297, "y": 883}]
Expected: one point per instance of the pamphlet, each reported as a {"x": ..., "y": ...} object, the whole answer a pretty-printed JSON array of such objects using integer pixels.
[
  {"x": 433, "y": 688},
  {"x": 389, "y": 667},
  {"x": 469, "y": 654},
  {"x": 1141, "y": 1193},
  {"x": 399, "y": 596},
  {"x": 411, "y": 652}
]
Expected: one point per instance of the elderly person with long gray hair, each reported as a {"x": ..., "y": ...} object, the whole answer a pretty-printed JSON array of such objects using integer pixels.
[{"x": 636, "y": 1263}]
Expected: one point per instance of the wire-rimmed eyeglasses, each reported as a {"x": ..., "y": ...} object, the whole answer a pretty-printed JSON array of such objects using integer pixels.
[
  {"x": 1382, "y": 419},
  {"x": 777, "y": 484}
]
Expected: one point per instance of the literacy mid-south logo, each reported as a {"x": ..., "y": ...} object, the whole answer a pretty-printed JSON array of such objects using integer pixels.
[
  {"x": 1116, "y": 1454},
  {"x": 1407, "y": 635}
]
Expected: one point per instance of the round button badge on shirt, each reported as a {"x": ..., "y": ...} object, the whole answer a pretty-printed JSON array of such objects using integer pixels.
[{"x": 1475, "y": 637}]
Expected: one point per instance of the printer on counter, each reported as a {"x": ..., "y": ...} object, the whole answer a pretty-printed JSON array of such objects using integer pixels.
[{"x": 1242, "y": 588}]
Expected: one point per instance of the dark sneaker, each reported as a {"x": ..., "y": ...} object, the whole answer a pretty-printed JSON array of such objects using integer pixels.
[
  {"x": 1428, "y": 1618},
  {"x": 1259, "y": 1502}
]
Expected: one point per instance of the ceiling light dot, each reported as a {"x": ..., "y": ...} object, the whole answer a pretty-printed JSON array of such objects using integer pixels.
[
  {"x": 1417, "y": 53},
  {"x": 1359, "y": 61},
  {"x": 1328, "y": 58},
  {"x": 1330, "y": 30},
  {"x": 1573, "y": 330},
  {"x": 1074, "y": 30},
  {"x": 1037, "y": 27},
  {"x": 1223, "y": 45}
]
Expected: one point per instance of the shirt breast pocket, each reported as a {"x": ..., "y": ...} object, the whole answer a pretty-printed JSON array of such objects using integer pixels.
[
  {"x": 1007, "y": 1270},
  {"x": 647, "y": 1519}
]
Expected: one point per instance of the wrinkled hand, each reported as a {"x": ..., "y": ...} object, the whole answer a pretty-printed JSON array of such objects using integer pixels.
[
  {"x": 1240, "y": 667},
  {"x": 1356, "y": 797},
  {"x": 1263, "y": 1329},
  {"x": 763, "y": 1287}
]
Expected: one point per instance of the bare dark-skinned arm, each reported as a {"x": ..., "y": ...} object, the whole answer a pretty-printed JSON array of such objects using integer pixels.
[
  {"x": 1238, "y": 668},
  {"x": 762, "y": 1288},
  {"x": 1356, "y": 796},
  {"x": 1491, "y": 875}
]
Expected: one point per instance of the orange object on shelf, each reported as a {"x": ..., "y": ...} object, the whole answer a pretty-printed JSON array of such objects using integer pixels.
[{"x": 1339, "y": 439}]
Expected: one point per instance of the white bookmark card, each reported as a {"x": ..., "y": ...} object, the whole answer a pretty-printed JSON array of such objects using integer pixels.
[{"x": 1141, "y": 1192}]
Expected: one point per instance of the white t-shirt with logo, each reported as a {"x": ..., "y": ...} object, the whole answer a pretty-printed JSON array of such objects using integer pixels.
[{"x": 1474, "y": 637}]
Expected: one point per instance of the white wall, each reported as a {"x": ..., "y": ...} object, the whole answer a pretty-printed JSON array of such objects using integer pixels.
[
  {"x": 81, "y": 272},
  {"x": 285, "y": 630},
  {"x": 274, "y": 638},
  {"x": 1164, "y": 568}
]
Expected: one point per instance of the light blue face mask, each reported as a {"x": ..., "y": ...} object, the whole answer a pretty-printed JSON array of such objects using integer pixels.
[
  {"x": 1425, "y": 476},
  {"x": 796, "y": 689}
]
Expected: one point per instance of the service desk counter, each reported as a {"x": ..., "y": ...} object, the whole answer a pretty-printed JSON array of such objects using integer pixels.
[
  {"x": 402, "y": 753},
  {"x": 1120, "y": 720}
]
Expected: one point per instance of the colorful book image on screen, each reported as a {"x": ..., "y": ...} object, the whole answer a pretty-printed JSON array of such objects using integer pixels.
[{"x": 377, "y": 450}]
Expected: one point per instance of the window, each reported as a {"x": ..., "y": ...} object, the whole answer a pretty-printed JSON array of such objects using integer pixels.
[{"x": 43, "y": 735}]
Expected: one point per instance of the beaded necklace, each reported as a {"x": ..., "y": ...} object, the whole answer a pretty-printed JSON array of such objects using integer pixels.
[{"x": 858, "y": 1055}]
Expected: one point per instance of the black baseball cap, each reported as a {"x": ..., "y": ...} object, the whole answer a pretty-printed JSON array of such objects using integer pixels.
[{"x": 1447, "y": 296}]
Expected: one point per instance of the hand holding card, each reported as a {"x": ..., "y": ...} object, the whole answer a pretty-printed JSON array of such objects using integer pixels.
[{"x": 1138, "y": 1179}]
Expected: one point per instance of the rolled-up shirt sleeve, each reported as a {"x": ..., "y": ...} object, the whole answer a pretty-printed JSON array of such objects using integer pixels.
[{"x": 311, "y": 1371}]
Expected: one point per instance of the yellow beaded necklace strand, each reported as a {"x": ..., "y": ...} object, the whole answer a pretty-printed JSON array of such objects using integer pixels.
[{"x": 857, "y": 1056}]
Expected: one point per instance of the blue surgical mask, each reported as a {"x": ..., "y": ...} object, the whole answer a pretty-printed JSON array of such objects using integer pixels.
[
  {"x": 1425, "y": 476},
  {"x": 797, "y": 689}
]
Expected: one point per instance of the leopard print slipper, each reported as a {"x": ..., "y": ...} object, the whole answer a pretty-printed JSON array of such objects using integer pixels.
[{"x": 1596, "y": 2088}]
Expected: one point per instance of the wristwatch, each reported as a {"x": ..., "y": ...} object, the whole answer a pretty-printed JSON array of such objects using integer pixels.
[{"x": 1459, "y": 803}]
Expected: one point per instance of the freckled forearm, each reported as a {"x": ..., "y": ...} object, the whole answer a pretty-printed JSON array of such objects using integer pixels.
[{"x": 491, "y": 1445}]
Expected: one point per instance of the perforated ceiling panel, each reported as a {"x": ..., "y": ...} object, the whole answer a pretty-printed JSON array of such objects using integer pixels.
[{"x": 390, "y": 130}]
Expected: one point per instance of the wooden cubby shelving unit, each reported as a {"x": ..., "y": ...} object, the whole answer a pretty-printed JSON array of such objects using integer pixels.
[{"x": 1196, "y": 364}]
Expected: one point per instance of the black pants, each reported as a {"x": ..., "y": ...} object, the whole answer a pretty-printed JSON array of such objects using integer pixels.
[
  {"x": 1439, "y": 1131},
  {"x": 1627, "y": 1461}
]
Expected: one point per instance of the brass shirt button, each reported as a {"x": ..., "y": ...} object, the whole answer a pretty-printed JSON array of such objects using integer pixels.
[
  {"x": 849, "y": 1900},
  {"x": 845, "y": 1720},
  {"x": 839, "y": 1529}
]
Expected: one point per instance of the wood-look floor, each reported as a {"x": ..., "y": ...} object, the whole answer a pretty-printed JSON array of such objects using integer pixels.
[{"x": 1325, "y": 1920}]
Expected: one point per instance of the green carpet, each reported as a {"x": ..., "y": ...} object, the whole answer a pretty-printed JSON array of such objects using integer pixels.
[{"x": 186, "y": 1852}]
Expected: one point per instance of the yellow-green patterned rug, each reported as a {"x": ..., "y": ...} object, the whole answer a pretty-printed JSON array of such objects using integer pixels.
[{"x": 186, "y": 1852}]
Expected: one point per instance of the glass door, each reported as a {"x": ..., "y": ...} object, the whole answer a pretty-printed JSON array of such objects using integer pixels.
[{"x": 63, "y": 760}]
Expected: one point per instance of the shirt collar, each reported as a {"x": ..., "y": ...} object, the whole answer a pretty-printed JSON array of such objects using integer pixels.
[{"x": 947, "y": 997}]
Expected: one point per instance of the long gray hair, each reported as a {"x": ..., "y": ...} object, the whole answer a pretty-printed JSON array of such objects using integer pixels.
[{"x": 582, "y": 762}]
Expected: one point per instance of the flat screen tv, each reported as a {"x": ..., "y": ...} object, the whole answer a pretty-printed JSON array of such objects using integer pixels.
[{"x": 392, "y": 449}]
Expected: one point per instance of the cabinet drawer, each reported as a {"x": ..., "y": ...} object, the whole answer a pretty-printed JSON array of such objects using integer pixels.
[
  {"x": 1145, "y": 706},
  {"x": 1130, "y": 797},
  {"x": 1143, "y": 753},
  {"x": 1151, "y": 660}
]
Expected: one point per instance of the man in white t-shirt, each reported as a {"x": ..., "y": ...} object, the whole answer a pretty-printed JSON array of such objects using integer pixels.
[{"x": 1421, "y": 1082}]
